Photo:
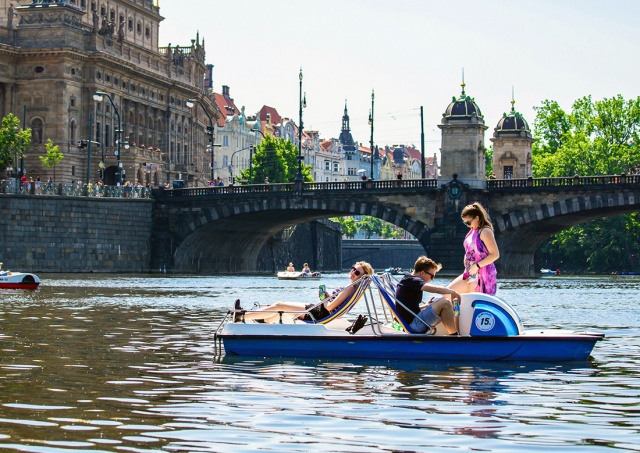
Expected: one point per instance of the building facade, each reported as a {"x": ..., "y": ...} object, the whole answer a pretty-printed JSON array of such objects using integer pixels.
[{"x": 55, "y": 56}]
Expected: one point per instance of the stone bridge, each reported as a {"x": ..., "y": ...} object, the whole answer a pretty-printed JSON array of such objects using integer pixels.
[{"x": 222, "y": 229}]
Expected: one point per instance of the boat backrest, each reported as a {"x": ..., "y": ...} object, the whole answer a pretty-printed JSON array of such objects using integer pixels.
[
  {"x": 360, "y": 287},
  {"x": 389, "y": 299}
]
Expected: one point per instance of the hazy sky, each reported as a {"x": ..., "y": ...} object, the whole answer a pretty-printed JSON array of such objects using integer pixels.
[{"x": 411, "y": 52}]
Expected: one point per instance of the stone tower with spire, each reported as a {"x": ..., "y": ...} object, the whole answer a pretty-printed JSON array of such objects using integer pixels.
[
  {"x": 462, "y": 151},
  {"x": 346, "y": 139},
  {"x": 512, "y": 142}
]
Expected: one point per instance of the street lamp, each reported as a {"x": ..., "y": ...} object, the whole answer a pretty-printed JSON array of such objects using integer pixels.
[
  {"x": 99, "y": 96},
  {"x": 303, "y": 103},
  {"x": 190, "y": 104},
  {"x": 371, "y": 124}
]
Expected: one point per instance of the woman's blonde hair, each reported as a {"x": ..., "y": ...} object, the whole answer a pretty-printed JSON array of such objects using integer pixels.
[
  {"x": 476, "y": 210},
  {"x": 366, "y": 267}
]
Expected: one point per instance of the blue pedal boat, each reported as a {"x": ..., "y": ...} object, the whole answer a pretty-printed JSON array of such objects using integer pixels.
[{"x": 490, "y": 330}]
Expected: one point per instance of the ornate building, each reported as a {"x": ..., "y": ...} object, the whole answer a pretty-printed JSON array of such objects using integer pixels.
[
  {"x": 462, "y": 151},
  {"x": 512, "y": 142},
  {"x": 54, "y": 55}
]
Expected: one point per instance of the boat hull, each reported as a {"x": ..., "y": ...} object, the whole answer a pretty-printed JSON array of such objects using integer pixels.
[
  {"x": 18, "y": 280},
  {"x": 552, "y": 346}
]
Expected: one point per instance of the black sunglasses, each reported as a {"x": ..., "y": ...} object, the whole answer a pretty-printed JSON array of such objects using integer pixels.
[
  {"x": 467, "y": 222},
  {"x": 356, "y": 271},
  {"x": 429, "y": 273}
]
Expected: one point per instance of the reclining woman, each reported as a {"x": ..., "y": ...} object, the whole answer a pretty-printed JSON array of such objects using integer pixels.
[{"x": 329, "y": 305}]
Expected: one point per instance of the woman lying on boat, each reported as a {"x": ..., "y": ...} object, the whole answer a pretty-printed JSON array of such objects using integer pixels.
[{"x": 332, "y": 302}]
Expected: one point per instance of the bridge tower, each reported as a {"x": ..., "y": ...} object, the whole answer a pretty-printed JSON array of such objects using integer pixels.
[
  {"x": 462, "y": 150},
  {"x": 512, "y": 142}
]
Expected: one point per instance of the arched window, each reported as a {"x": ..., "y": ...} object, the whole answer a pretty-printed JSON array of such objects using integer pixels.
[
  {"x": 36, "y": 131},
  {"x": 72, "y": 131}
]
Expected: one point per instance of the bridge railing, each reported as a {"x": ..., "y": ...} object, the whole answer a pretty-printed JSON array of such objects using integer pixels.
[
  {"x": 571, "y": 181},
  {"x": 307, "y": 187}
]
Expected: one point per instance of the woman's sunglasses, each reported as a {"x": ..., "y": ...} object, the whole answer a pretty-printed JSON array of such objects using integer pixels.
[
  {"x": 356, "y": 271},
  {"x": 467, "y": 222}
]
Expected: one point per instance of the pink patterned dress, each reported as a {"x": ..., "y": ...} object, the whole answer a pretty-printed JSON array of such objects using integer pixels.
[{"x": 475, "y": 251}]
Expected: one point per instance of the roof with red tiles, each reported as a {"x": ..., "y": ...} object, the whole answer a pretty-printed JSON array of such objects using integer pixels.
[{"x": 226, "y": 106}]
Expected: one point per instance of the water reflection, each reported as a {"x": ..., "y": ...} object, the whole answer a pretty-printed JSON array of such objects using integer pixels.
[{"x": 117, "y": 363}]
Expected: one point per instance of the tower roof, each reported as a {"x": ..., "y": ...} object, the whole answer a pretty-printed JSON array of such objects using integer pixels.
[
  {"x": 464, "y": 107},
  {"x": 512, "y": 124}
]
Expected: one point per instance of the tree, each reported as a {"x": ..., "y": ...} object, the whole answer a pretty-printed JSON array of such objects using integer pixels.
[
  {"x": 277, "y": 159},
  {"x": 52, "y": 158},
  {"x": 370, "y": 226},
  {"x": 13, "y": 141},
  {"x": 348, "y": 226},
  {"x": 595, "y": 138}
]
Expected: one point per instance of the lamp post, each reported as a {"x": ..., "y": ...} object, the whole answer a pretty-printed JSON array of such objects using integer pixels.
[
  {"x": 190, "y": 104},
  {"x": 371, "y": 124},
  {"x": 99, "y": 96},
  {"x": 303, "y": 103}
]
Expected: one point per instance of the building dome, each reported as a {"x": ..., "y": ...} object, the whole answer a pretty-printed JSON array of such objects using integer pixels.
[
  {"x": 464, "y": 107},
  {"x": 512, "y": 124}
]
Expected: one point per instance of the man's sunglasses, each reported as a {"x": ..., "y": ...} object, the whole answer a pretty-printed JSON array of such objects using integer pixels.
[{"x": 356, "y": 271}]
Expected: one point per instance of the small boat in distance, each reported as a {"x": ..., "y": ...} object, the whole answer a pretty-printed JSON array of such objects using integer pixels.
[
  {"x": 395, "y": 271},
  {"x": 18, "y": 280},
  {"x": 549, "y": 271},
  {"x": 299, "y": 275}
]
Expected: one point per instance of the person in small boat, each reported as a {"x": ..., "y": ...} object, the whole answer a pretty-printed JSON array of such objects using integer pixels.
[
  {"x": 290, "y": 268},
  {"x": 331, "y": 302},
  {"x": 305, "y": 270},
  {"x": 409, "y": 292},
  {"x": 481, "y": 251}
]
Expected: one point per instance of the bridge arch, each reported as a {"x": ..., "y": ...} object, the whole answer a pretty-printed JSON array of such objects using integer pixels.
[
  {"x": 228, "y": 237},
  {"x": 522, "y": 228}
]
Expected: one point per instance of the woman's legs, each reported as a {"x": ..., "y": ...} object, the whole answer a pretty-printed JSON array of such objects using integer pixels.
[{"x": 270, "y": 314}]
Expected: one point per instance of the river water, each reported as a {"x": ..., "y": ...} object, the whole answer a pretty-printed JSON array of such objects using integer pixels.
[{"x": 126, "y": 364}]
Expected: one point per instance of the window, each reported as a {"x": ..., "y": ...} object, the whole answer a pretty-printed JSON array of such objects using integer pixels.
[
  {"x": 327, "y": 165},
  {"x": 225, "y": 141},
  {"x": 72, "y": 102},
  {"x": 139, "y": 28},
  {"x": 508, "y": 171},
  {"x": 130, "y": 24},
  {"x": 336, "y": 167},
  {"x": 36, "y": 131},
  {"x": 73, "y": 170},
  {"x": 147, "y": 32},
  {"x": 72, "y": 131},
  {"x": 107, "y": 135}
]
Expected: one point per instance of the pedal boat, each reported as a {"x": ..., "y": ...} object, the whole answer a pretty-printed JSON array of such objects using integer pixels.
[
  {"x": 490, "y": 330},
  {"x": 299, "y": 276},
  {"x": 18, "y": 280}
]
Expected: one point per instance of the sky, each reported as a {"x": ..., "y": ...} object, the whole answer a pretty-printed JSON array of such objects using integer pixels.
[{"x": 412, "y": 53}]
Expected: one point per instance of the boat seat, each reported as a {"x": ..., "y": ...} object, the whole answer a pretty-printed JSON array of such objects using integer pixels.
[
  {"x": 390, "y": 300},
  {"x": 360, "y": 287}
]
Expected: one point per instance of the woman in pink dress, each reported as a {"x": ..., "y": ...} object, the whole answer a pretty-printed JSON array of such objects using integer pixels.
[{"x": 481, "y": 250}]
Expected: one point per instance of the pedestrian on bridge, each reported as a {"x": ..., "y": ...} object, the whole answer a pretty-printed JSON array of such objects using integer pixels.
[{"x": 481, "y": 251}]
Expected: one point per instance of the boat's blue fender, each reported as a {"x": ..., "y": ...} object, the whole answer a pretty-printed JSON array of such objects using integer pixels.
[{"x": 489, "y": 319}]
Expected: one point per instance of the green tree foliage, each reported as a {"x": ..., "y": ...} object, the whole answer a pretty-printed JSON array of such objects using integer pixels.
[
  {"x": 13, "y": 139},
  {"x": 488, "y": 163},
  {"x": 276, "y": 159},
  {"x": 52, "y": 158},
  {"x": 370, "y": 226},
  {"x": 348, "y": 226},
  {"x": 595, "y": 138}
]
